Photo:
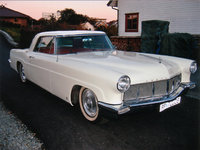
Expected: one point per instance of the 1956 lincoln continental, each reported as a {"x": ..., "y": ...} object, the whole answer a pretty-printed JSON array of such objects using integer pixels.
[{"x": 83, "y": 67}]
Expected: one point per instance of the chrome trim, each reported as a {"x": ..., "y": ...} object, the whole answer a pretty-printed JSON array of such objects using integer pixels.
[
  {"x": 129, "y": 83},
  {"x": 111, "y": 107},
  {"x": 154, "y": 89},
  {"x": 125, "y": 106},
  {"x": 189, "y": 85},
  {"x": 193, "y": 64}
]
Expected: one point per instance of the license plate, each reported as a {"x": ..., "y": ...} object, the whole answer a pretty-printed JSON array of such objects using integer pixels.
[{"x": 167, "y": 105}]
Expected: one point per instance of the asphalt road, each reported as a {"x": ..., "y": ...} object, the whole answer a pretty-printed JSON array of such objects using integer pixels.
[{"x": 62, "y": 127}]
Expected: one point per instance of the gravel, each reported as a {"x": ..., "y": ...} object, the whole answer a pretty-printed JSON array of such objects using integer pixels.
[{"x": 14, "y": 135}]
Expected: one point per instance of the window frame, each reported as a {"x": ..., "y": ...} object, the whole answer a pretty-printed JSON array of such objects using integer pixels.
[
  {"x": 39, "y": 40},
  {"x": 82, "y": 36},
  {"x": 126, "y": 22}
]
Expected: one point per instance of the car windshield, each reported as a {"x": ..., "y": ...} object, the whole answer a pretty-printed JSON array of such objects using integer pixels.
[{"x": 75, "y": 44}]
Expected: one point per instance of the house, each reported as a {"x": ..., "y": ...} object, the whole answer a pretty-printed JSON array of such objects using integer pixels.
[
  {"x": 100, "y": 22},
  {"x": 9, "y": 15},
  {"x": 183, "y": 16},
  {"x": 48, "y": 15},
  {"x": 87, "y": 26}
]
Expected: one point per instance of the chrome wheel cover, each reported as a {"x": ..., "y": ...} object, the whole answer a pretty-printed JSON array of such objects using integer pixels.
[
  {"x": 89, "y": 103},
  {"x": 22, "y": 74}
]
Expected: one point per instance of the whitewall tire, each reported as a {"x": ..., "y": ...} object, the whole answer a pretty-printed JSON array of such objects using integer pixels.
[{"x": 88, "y": 104}]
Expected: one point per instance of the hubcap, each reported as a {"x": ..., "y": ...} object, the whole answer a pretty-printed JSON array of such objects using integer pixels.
[
  {"x": 89, "y": 103},
  {"x": 23, "y": 76}
]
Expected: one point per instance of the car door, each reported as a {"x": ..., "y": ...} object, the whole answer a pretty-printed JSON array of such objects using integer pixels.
[{"x": 40, "y": 60}]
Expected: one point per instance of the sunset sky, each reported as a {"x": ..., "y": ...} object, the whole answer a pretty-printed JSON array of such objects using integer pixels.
[{"x": 90, "y": 8}]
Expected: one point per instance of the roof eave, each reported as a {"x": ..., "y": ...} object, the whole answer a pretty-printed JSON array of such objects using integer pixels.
[
  {"x": 113, "y": 3},
  {"x": 17, "y": 14}
]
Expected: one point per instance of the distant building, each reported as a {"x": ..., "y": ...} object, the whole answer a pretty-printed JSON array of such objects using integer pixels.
[
  {"x": 87, "y": 26},
  {"x": 48, "y": 15},
  {"x": 9, "y": 15},
  {"x": 100, "y": 22}
]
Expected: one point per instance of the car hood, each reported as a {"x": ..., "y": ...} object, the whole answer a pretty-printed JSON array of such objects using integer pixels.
[{"x": 139, "y": 67}]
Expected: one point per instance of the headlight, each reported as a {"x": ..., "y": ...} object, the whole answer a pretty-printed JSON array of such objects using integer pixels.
[
  {"x": 193, "y": 67},
  {"x": 123, "y": 83}
]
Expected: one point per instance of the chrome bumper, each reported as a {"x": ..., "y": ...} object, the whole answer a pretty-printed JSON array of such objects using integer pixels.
[
  {"x": 127, "y": 105},
  {"x": 9, "y": 61}
]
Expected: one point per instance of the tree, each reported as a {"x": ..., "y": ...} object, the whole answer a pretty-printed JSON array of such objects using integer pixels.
[
  {"x": 42, "y": 21},
  {"x": 48, "y": 24},
  {"x": 69, "y": 16},
  {"x": 111, "y": 29},
  {"x": 92, "y": 21}
]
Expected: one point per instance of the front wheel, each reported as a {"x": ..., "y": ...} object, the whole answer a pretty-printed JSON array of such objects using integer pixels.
[
  {"x": 21, "y": 73},
  {"x": 88, "y": 104}
]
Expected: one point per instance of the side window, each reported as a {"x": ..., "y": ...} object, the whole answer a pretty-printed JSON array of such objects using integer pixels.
[
  {"x": 64, "y": 45},
  {"x": 65, "y": 42},
  {"x": 45, "y": 45}
]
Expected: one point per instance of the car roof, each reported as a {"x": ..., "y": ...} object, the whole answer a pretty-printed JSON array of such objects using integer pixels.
[{"x": 66, "y": 33}]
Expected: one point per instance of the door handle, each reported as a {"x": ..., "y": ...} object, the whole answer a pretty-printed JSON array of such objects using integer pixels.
[{"x": 31, "y": 57}]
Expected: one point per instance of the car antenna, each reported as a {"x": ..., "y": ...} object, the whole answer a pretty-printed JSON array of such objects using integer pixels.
[
  {"x": 56, "y": 55},
  {"x": 56, "y": 50}
]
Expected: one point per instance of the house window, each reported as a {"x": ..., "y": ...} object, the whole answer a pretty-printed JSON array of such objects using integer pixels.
[
  {"x": 16, "y": 20},
  {"x": 132, "y": 21}
]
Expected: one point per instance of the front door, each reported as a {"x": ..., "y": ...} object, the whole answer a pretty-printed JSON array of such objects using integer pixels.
[{"x": 40, "y": 60}]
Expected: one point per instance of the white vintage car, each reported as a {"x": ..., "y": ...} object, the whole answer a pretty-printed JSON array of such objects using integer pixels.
[{"x": 83, "y": 67}]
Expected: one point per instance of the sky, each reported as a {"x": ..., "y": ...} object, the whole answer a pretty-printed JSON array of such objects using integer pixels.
[{"x": 91, "y": 8}]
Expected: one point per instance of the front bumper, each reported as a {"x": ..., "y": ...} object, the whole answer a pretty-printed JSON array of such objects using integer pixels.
[
  {"x": 9, "y": 61},
  {"x": 127, "y": 105}
]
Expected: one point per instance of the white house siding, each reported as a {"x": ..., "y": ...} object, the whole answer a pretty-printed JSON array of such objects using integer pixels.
[
  {"x": 183, "y": 15},
  {"x": 88, "y": 26}
]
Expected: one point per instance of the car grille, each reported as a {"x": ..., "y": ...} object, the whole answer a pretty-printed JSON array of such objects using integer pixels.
[{"x": 157, "y": 89}]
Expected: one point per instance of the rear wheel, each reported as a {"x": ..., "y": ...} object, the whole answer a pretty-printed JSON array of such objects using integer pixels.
[
  {"x": 22, "y": 74},
  {"x": 88, "y": 104}
]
